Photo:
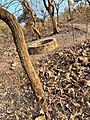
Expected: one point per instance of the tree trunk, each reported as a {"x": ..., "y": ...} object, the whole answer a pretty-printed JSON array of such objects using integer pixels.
[
  {"x": 54, "y": 23},
  {"x": 50, "y": 9},
  {"x": 36, "y": 31},
  {"x": 69, "y": 10},
  {"x": 22, "y": 50},
  {"x": 57, "y": 16}
]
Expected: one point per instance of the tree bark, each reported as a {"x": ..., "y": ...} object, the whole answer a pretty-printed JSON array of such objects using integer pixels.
[
  {"x": 50, "y": 9},
  {"x": 57, "y": 16},
  {"x": 36, "y": 31},
  {"x": 55, "y": 28},
  {"x": 69, "y": 10},
  {"x": 24, "y": 56}
]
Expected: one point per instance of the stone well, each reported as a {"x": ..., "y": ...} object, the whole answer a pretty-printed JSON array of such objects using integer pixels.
[{"x": 43, "y": 46}]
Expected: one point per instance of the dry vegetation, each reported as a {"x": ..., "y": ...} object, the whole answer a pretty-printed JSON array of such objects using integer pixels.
[{"x": 65, "y": 75}]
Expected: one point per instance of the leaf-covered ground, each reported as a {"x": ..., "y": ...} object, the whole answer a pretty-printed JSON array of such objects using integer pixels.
[
  {"x": 66, "y": 78},
  {"x": 65, "y": 74}
]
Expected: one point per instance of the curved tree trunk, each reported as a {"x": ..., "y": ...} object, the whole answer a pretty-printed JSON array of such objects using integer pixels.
[{"x": 22, "y": 50}]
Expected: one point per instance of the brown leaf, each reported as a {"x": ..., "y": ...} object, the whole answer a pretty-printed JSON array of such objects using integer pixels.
[
  {"x": 40, "y": 118},
  {"x": 83, "y": 59},
  {"x": 88, "y": 83},
  {"x": 75, "y": 104},
  {"x": 82, "y": 82}
]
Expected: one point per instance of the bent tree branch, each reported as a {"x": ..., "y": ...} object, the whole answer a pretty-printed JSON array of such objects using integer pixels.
[
  {"x": 28, "y": 8},
  {"x": 22, "y": 50}
]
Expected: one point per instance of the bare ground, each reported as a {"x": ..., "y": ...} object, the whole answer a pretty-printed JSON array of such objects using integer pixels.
[{"x": 68, "y": 93}]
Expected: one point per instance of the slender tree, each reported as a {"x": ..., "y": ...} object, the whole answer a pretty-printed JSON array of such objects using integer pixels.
[
  {"x": 57, "y": 4},
  {"x": 50, "y": 8},
  {"x": 70, "y": 8}
]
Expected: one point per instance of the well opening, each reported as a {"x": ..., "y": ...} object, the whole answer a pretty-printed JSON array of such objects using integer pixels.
[{"x": 46, "y": 41}]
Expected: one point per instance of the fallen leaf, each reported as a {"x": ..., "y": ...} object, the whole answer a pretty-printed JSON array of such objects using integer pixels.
[
  {"x": 12, "y": 101},
  {"x": 14, "y": 64},
  {"x": 88, "y": 103},
  {"x": 82, "y": 82},
  {"x": 40, "y": 118},
  {"x": 88, "y": 83},
  {"x": 76, "y": 104},
  {"x": 41, "y": 111},
  {"x": 67, "y": 75},
  {"x": 17, "y": 118},
  {"x": 8, "y": 110},
  {"x": 71, "y": 117},
  {"x": 83, "y": 59}
]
